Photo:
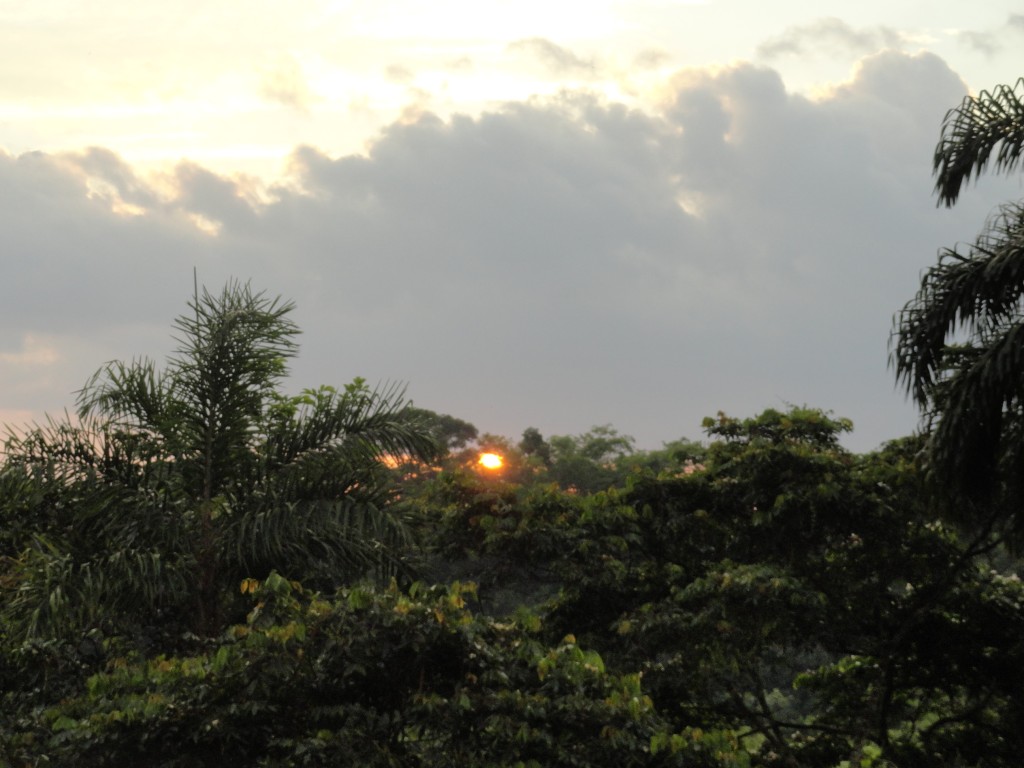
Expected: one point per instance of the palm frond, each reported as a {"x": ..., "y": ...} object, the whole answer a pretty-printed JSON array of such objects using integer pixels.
[
  {"x": 52, "y": 594},
  {"x": 64, "y": 453},
  {"x": 379, "y": 424},
  {"x": 38, "y": 601},
  {"x": 974, "y": 405},
  {"x": 133, "y": 395},
  {"x": 233, "y": 351},
  {"x": 321, "y": 541},
  {"x": 991, "y": 122},
  {"x": 238, "y": 342},
  {"x": 60, "y": 450},
  {"x": 356, "y": 425},
  {"x": 975, "y": 293}
]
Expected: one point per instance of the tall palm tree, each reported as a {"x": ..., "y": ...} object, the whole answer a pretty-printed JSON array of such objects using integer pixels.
[
  {"x": 173, "y": 485},
  {"x": 958, "y": 346}
]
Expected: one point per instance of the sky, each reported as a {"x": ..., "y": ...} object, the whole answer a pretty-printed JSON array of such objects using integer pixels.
[{"x": 548, "y": 214}]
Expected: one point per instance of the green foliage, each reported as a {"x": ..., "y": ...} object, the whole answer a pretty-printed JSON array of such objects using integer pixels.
[
  {"x": 499, "y": 535},
  {"x": 587, "y": 463},
  {"x": 449, "y": 431},
  {"x": 791, "y": 594},
  {"x": 602, "y": 458},
  {"x": 766, "y": 600},
  {"x": 807, "y": 426},
  {"x": 369, "y": 677},
  {"x": 533, "y": 444}
]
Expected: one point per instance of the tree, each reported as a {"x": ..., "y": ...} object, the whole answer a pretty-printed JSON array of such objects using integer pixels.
[
  {"x": 534, "y": 444},
  {"x": 777, "y": 606},
  {"x": 451, "y": 432},
  {"x": 959, "y": 344},
  {"x": 367, "y": 677},
  {"x": 175, "y": 484},
  {"x": 792, "y": 593},
  {"x": 589, "y": 462}
]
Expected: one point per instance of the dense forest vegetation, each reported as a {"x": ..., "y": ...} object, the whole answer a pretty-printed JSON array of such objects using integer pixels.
[{"x": 199, "y": 569}]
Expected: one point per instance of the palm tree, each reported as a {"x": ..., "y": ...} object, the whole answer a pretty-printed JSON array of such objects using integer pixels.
[
  {"x": 958, "y": 346},
  {"x": 173, "y": 485}
]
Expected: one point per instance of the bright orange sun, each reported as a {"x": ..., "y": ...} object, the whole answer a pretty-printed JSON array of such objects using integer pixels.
[{"x": 490, "y": 461}]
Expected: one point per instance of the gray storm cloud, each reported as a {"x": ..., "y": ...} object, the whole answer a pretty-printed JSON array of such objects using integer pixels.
[{"x": 557, "y": 264}]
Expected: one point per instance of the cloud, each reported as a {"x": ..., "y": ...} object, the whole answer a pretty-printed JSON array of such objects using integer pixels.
[
  {"x": 991, "y": 42},
  {"x": 28, "y": 366},
  {"x": 558, "y": 60},
  {"x": 982, "y": 42},
  {"x": 117, "y": 181},
  {"x": 828, "y": 34},
  {"x": 651, "y": 58},
  {"x": 396, "y": 73},
  {"x": 283, "y": 82},
  {"x": 33, "y": 352},
  {"x": 69, "y": 249},
  {"x": 460, "y": 64},
  {"x": 555, "y": 263},
  {"x": 214, "y": 198}
]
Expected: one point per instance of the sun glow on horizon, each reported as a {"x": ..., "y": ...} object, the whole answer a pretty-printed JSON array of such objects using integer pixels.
[{"x": 491, "y": 461}]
